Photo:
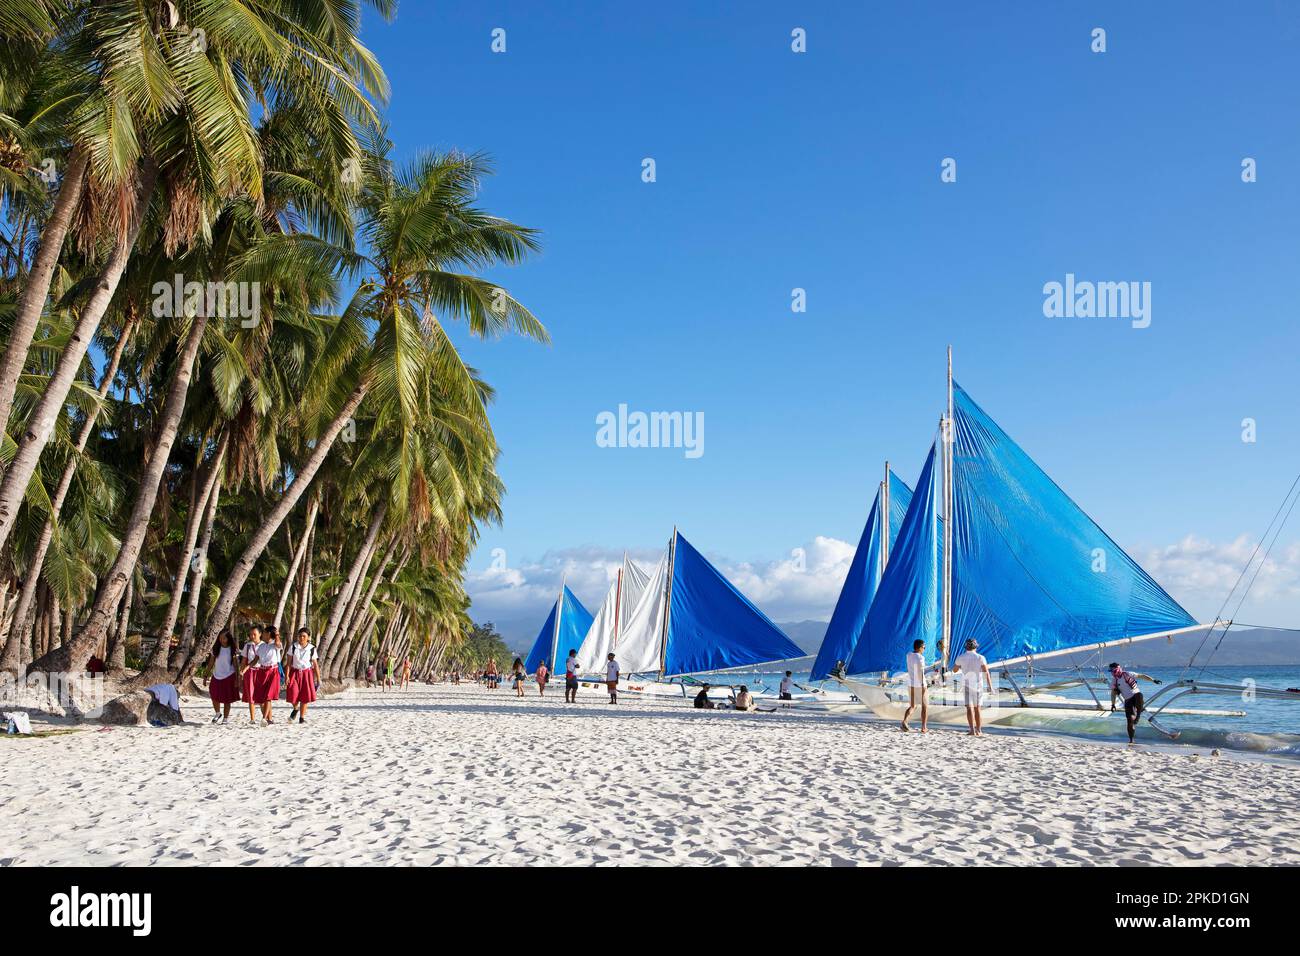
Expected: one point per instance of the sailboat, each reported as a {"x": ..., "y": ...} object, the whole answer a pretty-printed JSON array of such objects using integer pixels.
[
  {"x": 691, "y": 620},
  {"x": 992, "y": 549},
  {"x": 565, "y": 628},
  {"x": 623, "y": 595}
]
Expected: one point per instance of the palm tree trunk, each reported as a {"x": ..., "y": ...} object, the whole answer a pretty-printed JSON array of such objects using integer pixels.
[
  {"x": 10, "y": 662},
  {"x": 27, "y": 314},
  {"x": 200, "y": 571},
  {"x": 348, "y": 593},
  {"x": 74, "y": 656},
  {"x": 243, "y": 567},
  {"x": 361, "y": 609},
  {"x": 115, "y": 657},
  {"x": 313, "y": 507},
  {"x": 305, "y": 592},
  {"x": 193, "y": 523},
  {"x": 41, "y": 424}
]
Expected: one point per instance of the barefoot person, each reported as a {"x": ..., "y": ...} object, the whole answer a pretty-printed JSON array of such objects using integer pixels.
[
  {"x": 571, "y": 678},
  {"x": 304, "y": 671},
  {"x": 1125, "y": 685},
  {"x": 916, "y": 686},
  {"x": 542, "y": 676},
  {"x": 223, "y": 679},
  {"x": 969, "y": 666},
  {"x": 406, "y": 673},
  {"x": 517, "y": 675},
  {"x": 787, "y": 686},
  {"x": 248, "y": 671},
  {"x": 745, "y": 700},
  {"x": 611, "y": 677}
]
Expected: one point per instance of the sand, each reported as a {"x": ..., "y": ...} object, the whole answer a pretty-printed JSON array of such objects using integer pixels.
[{"x": 463, "y": 775}]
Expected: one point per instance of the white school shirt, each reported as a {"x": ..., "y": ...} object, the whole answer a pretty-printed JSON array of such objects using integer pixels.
[
  {"x": 302, "y": 656},
  {"x": 972, "y": 665},
  {"x": 915, "y": 670},
  {"x": 225, "y": 665},
  {"x": 250, "y": 652},
  {"x": 611, "y": 670},
  {"x": 268, "y": 655},
  {"x": 787, "y": 685}
]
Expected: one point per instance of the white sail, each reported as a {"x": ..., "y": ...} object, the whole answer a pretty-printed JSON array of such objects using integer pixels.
[
  {"x": 640, "y": 639},
  {"x": 621, "y": 599},
  {"x": 635, "y": 581}
]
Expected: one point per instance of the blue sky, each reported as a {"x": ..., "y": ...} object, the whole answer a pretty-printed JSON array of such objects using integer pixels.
[{"x": 821, "y": 171}]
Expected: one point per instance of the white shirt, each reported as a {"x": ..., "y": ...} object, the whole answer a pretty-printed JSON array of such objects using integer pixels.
[
  {"x": 225, "y": 665},
  {"x": 1125, "y": 683},
  {"x": 611, "y": 670},
  {"x": 972, "y": 665},
  {"x": 916, "y": 669},
  {"x": 301, "y": 656},
  {"x": 787, "y": 685},
  {"x": 250, "y": 652},
  {"x": 571, "y": 666},
  {"x": 268, "y": 655}
]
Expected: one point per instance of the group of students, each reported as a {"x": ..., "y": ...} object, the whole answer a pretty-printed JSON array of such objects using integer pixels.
[
  {"x": 253, "y": 674},
  {"x": 971, "y": 665},
  {"x": 518, "y": 676}
]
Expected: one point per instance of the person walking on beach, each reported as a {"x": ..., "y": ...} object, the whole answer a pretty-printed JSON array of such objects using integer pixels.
[
  {"x": 916, "y": 686},
  {"x": 272, "y": 635},
  {"x": 970, "y": 665},
  {"x": 223, "y": 677},
  {"x": 571, "y": 677},
  {"x": 611, "y": 677},
  {"x": 406, "y": 673},
  {"x": 304, "y": 671},
  {"x": 787, "y": 686},
  {"x": 542, "y": 676},
  {"x": 517, "y": 675},
  {"x": 1125, "y": 685},
  {"x": 248, "y": 671},
  {"x": 389, "y": 661},
  {"x": 492, "y": 673},
  {"x": 266, "y": 677}
]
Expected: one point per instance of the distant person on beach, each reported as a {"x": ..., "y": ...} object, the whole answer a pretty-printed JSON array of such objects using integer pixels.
[
  {"x": 248, "y": 671},
  {"x": 304, "y": 671},
  {"x": 611, "y": 677},
  {"x": 492, "y": 673},
  {"x": 702, "y": 701},
  {"x": 916, "y": 686},
  {"x": 406, "y": 673},
  {"x": 390, "y": 663},
  {"x": 745, "y": 700},
  {"x": 1125, "y": 685},
  {"x": 517, "y": 675},
  {"x": 370, "y": 675},
  {"x": 543, "y": 675},
  {"x": 787, "y": 686},
  {"x": 970, "y": 665},
  {"x": 223, "y": 677},
  {"x": 571, "y": 678}
]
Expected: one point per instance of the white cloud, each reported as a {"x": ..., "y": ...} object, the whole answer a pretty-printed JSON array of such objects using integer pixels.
[{"x": 1201, "y": 573}]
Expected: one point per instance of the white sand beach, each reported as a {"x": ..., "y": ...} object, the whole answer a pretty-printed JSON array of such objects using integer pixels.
[{"x": 463, "y": 775}]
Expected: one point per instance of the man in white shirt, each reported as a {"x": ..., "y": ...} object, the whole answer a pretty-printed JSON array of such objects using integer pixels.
[
  {"x": 787, "y": 686},
  {"x": 1125, "y": 685},
  {"x": 916, "y": 686},
  {"x": 611, "y": 677},
  {"x": 969, "y": 666},
  {"x": 571, "y": 678}
]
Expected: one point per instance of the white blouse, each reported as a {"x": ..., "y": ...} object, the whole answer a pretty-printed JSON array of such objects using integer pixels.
[
  {"x": 268, "y": 655},
  {"x": 225, "y": 665},
  {"x": 302, "y": 656}
]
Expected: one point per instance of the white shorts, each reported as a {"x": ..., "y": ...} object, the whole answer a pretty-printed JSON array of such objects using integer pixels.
[{"x": 971, "y": 695}]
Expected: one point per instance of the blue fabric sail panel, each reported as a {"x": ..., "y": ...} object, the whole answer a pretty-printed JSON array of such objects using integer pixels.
[
  {"x": 907, "y": 602},
  {"x": 860, "y": 584},
  {"x": 1031, "y": 571},
  {"x": 711, "y": 625},
  {"x": 545, "y": 641},
  {"x": 575, "y": 622}
]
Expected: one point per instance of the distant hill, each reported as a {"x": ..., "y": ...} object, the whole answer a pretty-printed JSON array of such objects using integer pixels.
[{"x": 807, "y": 634}]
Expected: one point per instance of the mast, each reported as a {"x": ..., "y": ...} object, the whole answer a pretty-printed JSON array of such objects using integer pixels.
[
  {"x": 618, "y": 600},
  {"x": 884, "y": 521},
  {"x": 945, "y": 640},
  {"x": 555, "y": 632},
  {"x": 668, "y": 602}
]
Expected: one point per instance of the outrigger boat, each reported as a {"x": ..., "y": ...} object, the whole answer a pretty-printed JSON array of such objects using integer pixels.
[{"x": 991, "y": 548}]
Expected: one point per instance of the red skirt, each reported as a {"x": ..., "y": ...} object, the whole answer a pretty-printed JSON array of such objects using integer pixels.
[
  {"x": 224, "y": 691},
  {"x": 262, "y": 684},
  {"x": 302, "y": 686}
]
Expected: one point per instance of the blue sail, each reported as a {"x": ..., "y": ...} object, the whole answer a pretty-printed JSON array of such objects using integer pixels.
[
  {"x": 907, "y": 602},
  {"x": 551, "y": 643},
  {"x": 860, "y": 585},
  {"x": 1031, "y": 571},
  {"x": 711, "y": 625}
]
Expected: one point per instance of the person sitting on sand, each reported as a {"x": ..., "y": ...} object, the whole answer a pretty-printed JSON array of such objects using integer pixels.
[
  {"x": 571, "y": 678},
  {"x": 611, "y": 677},
  {"x": 970, "y": 665},
  {"x": 517, "y": 675},
  {"x": 745, "y": 700},
  {"x": 702, "y": 701},
  {"x": 916, "y": 686},
  {"x": 543, "y": 675},
  {"x": 1125, "y": 685}
]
